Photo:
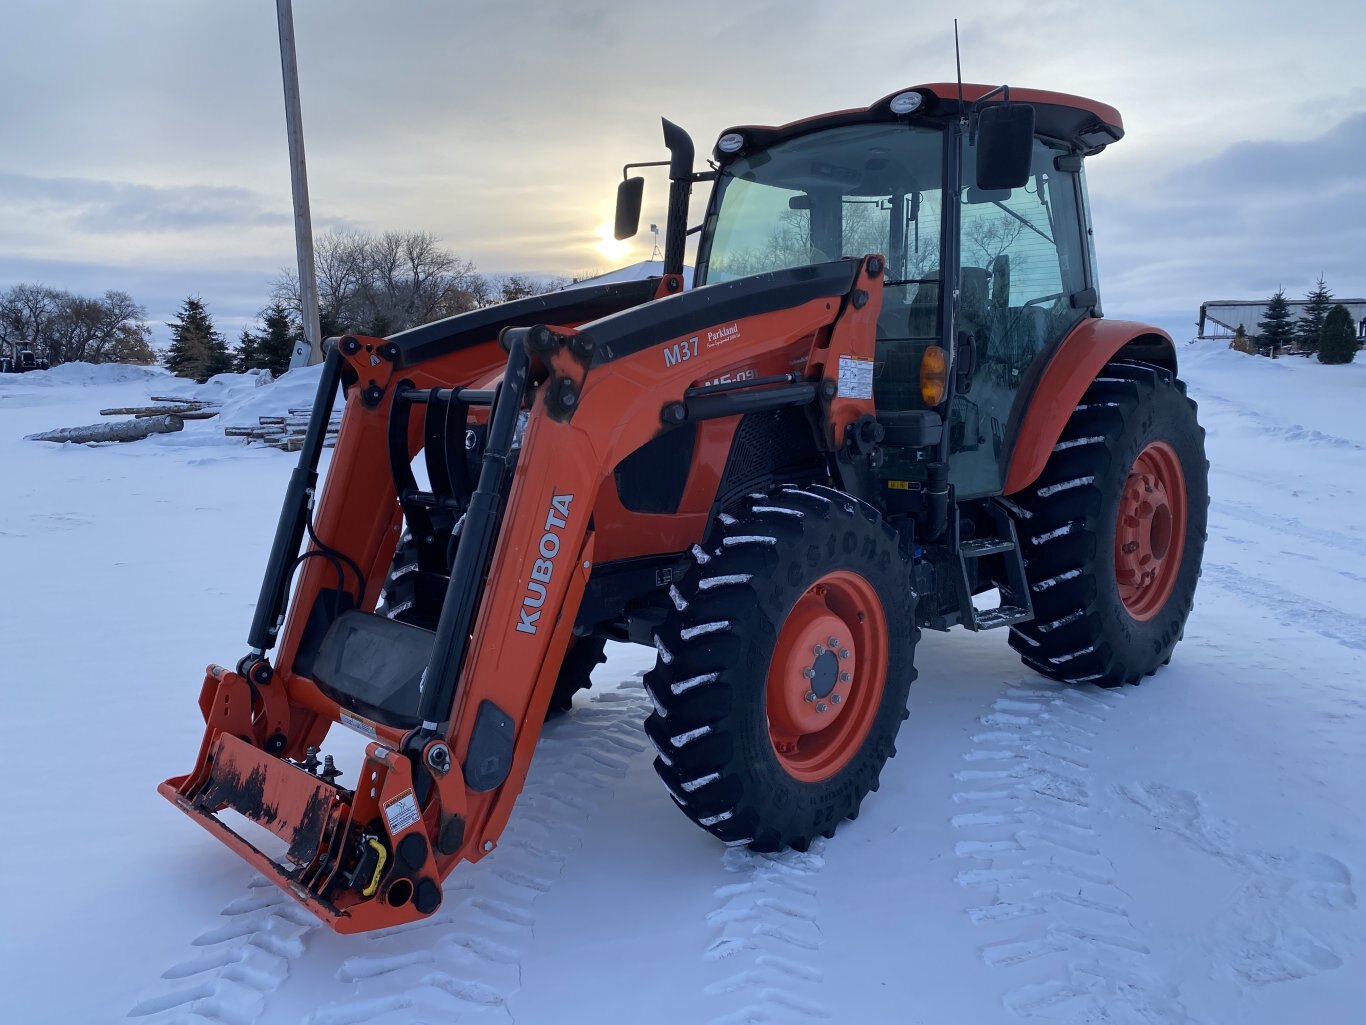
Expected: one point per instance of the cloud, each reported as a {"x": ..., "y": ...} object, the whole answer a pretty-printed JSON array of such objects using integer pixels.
[
  {"x": 113, "y": 207},
  {"x": 1237, "y": 225}
]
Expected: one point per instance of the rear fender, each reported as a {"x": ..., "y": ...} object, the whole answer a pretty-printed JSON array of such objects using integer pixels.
[{"x": 1074, "y": 365}]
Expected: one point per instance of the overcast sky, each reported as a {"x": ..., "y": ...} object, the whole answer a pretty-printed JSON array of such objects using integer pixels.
[{"x": 142, "y": 142}]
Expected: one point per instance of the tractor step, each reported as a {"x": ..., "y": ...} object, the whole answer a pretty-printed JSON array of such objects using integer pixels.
[
  {"x": 986, "y": 546},
  {"x": 1015, "y": 606},
  {"x": 990, "y": 619}
]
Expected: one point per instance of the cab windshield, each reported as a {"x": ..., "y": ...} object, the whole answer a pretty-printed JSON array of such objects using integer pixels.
[{"x": 842, "y": 192}]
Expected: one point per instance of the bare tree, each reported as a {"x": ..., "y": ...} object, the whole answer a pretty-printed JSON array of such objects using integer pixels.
[
  {"x": 380, "y": 284},
  {"x": 990, "y": 235},
  {"x": 511, "y": 287},
  {"x": 109, "y": 329}
]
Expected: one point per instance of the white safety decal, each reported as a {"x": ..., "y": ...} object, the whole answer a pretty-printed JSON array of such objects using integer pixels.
[
  {"x": 358, "y": 724},
  {"x": 856, "y": 378},
  {"x": 401, "y": 812}
]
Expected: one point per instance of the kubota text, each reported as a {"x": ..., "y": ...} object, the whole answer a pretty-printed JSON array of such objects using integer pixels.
[{"x": 544, "y": 567}]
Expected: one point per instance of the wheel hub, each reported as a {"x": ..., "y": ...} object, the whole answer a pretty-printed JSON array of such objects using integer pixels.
[
  {"x": 808, "y": 692},
  {"x": 827, "y": 671},
  {"x": 826, "y": 676},
  {"x": 1150, "y": 530}
]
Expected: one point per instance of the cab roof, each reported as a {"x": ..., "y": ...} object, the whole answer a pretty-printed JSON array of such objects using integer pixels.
[{"x": 1086, "y": 124}]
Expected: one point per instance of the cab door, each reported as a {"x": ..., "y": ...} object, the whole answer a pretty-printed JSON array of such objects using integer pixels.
[{"x": 1024, "y": 280}]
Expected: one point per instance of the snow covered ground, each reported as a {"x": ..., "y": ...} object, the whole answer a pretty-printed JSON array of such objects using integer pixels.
[{"x": 1190, "y": 850}]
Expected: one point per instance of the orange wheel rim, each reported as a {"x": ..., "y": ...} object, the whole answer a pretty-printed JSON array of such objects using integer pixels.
[
  {"x": 827, "y": 674},
  {"x": 1150, "y": 534}
]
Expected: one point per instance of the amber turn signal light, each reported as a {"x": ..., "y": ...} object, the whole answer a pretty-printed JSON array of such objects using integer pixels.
[{"x": 934, "y": 376}]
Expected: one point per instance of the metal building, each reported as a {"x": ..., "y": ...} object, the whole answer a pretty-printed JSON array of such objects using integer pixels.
[{"x": 1221, "y": 318}]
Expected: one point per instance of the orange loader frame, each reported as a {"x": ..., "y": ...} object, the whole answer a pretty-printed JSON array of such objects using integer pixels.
[{"x": 441, "y": 791}]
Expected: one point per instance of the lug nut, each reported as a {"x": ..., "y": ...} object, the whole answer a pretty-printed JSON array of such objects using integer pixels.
[
  {"x": 845, "y": 677},
  {"x": 832, "y": 642},
  {"x": 844, "y": 652},
  {"x": 822, "y": 707},
  {"x": 835, "y": 699},
  {"x": 488, "y": 845},
  {"x": 810, "y": 695},
  {"x": 809, "y": 673},
  {"x": 816, "y": 649}
]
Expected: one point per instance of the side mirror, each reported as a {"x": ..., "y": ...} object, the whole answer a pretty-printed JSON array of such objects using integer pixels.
[
  {"x": 1005, "y": 145},
  {"x": 630, "y": 193}
]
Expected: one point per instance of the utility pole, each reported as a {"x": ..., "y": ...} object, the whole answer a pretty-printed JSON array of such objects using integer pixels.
[{"x": 311, "y": 349}]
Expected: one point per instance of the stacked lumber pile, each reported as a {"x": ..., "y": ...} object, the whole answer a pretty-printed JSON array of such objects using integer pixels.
[
  {"x": 173, "y": 405},
  {"x": 286, "y": 432}
]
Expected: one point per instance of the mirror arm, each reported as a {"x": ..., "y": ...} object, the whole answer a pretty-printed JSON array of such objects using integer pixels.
[{"x": 626, "y": 168}]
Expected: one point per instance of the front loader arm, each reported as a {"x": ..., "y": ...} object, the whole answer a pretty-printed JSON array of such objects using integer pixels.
[{"x": 441, "y": 788}]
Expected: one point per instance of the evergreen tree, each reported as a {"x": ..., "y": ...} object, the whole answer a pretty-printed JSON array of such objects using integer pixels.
[
  {"x": 276, "y": 343},
  {"x": 1309, "y": 327},
  {"x": 248, "y": 353},
  {"x": 1241, "y": 342},
  {"x": 197, "y": 349},
  {"x": 1339, "y": 342},
  {"x": 1277, "y": 329}
]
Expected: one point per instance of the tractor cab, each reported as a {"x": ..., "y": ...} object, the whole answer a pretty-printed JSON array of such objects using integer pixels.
[{"x": 979, "y": 208}]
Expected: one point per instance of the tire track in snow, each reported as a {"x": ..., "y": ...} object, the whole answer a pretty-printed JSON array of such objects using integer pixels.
[
  {"x": 1287, "y": 527},
  {"x": 1258, "y": 935},
  {"x": 1290, "y": 609},
  {"x": 770, "y": 937},
  {"x": 1268, "y": 425},
  {"x": 467, "y": 958},
  {"x": 1057, "y": 919},
  {"x": 243, "y": 960}
]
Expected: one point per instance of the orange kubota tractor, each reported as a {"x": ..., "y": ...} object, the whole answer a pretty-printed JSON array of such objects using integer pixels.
[{"x": 890, "y": 391}]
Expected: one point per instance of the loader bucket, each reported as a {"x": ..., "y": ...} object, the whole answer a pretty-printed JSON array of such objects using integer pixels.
[{"x": 334, "y": 844}]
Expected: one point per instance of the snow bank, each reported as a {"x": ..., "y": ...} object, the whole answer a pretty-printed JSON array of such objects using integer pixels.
[
  {"x": 243, "y": 407},
  {"x": 90, "y": 375},
  {"x": 1292, "y": 397}
]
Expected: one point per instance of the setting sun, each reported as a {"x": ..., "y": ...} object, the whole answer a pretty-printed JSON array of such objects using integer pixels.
[{"x": 612, "y": 249}]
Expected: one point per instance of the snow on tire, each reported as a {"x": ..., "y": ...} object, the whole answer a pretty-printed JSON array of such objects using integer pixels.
[
  {"x": 1113, "y": 531},
  {"x": 783, "y": 669}
]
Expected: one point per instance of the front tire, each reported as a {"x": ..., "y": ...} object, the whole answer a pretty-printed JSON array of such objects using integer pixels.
[
  {"x": 1113, "y": 531},
  {"x": 783, "y": 669}
]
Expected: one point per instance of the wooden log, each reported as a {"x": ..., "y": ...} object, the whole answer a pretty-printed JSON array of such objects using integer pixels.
[
  {"x": 184, "y": 414},
  {"x": 150, "y": 410},
  {"x": 118, "y": 430},
  {"x": 271, "y": 420},
  {"x": 183, "y": 400},
  {"x": 239, "y": 432}
]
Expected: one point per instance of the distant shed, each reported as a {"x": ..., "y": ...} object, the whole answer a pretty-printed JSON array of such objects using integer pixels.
[{"x": 1221, "y": 318}]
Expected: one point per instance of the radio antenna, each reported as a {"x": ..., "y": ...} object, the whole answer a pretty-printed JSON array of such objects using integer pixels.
[{"x": 958, "y": 60}]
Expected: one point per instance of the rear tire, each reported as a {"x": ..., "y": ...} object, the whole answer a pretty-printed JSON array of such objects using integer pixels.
[
  {"x": 743, "y": 750},
  {"x": 576, "y": 672},
  {"x": 1113, "y": 531}
]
